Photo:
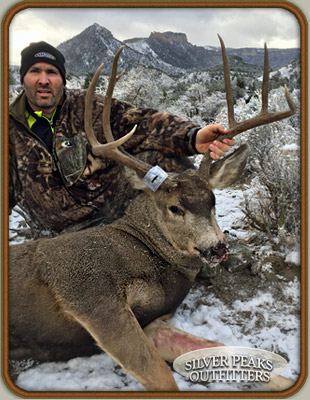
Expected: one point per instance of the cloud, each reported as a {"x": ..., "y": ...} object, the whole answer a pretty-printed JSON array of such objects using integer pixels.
[{"x": 240, "y": 27}]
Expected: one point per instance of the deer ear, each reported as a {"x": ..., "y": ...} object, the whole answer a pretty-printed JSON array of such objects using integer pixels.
[
  {"x": 134, "y": 180},
  {"x": 154, "y": 179},
  {"x": 227, "y": 170}
]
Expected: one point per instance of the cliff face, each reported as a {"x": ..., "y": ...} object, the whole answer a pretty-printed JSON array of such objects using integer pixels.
[{"x": 171, "y": 37}]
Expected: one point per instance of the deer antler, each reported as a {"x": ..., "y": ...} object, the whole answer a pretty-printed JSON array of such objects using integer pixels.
[
  {"x": 110, "y": 149},
  {"x": 264, "y": 117}
]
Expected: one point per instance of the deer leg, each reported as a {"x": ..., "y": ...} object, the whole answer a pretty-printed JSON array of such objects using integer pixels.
[
  {"x": 119, "y": 334},
  {"x": 171, "y": 342}
]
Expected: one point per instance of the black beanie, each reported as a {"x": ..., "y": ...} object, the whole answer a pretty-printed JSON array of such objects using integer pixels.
[{"x": 42, "y": 52}]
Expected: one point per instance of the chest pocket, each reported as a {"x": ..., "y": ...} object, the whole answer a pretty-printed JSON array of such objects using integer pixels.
[{"x": 71, "y": 157}]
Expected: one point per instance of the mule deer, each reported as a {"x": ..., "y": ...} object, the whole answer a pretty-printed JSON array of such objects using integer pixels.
[{"x": 103, "y": 286}]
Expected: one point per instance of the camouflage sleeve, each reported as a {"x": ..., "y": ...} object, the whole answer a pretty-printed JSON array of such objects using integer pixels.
[
  {"x": 14, "y": 184},
  {"x": 156, "y": 130},
  {"x": 12, "y": 197}
]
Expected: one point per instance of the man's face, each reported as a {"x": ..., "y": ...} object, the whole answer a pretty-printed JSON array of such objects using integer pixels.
[{"x": 44, "y": 87}]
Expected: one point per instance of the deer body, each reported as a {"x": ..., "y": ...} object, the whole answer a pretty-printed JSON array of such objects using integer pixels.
[
  {"x": 103, "y": 284},
  {"x": 48, "y": 297}
]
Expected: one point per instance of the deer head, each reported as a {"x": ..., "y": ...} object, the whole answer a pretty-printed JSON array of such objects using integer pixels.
[{"x": 183, "y": 205}]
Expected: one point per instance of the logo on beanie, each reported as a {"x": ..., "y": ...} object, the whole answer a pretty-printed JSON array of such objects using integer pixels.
[{"x": 43, "y": 54}]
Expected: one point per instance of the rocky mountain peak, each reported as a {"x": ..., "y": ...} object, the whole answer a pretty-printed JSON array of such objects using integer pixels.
[
  {"x": 97, "y": 29},
  {"x": 87, "y": 50}
]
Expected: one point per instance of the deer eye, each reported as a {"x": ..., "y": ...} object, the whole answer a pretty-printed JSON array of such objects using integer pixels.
[{"x": 176, "y": 210}]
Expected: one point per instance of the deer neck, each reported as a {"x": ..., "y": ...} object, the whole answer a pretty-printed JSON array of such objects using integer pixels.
[{"x": 140, "y": 221}]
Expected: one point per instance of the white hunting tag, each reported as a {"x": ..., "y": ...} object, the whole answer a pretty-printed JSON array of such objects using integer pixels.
[{"x": 154, "y": 178}]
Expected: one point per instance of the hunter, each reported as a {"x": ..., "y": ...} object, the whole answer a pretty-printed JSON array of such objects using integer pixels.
[{"x": 53, "y": 175}]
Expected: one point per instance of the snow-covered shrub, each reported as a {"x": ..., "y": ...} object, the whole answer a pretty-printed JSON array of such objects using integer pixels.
[
  {"x": 143, "y": 87},
  {"x": 273, "y": 207},
  {"x": 196, "y": 104}
]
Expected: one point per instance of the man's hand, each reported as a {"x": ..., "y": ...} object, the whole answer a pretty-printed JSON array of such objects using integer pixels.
[{"x": 206, "y": 139}]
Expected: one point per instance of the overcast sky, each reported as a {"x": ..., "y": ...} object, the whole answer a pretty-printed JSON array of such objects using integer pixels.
[{"x": 239, "y": 27}]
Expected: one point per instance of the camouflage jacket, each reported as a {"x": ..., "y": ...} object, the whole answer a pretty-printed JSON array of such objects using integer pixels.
[{"x": 70, "y": 185}]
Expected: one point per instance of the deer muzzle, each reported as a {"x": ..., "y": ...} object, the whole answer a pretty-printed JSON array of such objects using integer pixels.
[{"x": 215, "y": 255}]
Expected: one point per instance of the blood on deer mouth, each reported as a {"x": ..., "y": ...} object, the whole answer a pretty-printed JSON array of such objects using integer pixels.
[{"x": 215, "y": 255}]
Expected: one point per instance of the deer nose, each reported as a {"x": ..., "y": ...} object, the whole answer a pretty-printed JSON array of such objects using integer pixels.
[
  {"x": 220, "y": 251},
  {"x": 216, "y": 254}
]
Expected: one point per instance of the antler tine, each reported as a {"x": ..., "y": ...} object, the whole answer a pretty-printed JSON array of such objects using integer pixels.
[
  {"x": 108, "y": 97},
  {"x": 264, "y": 117},
  {"x": 96, "y": 146},
  {"x": 229, "y": 96},
  {"x": 110, "y": 149},
  {"x": 265, "y": 81},
  {"x": 88, "y": 109},
  {"x": 205, "y": 164}
]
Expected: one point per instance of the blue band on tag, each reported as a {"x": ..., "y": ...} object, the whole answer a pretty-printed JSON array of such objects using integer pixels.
[{"x": 154, "y": 178}]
